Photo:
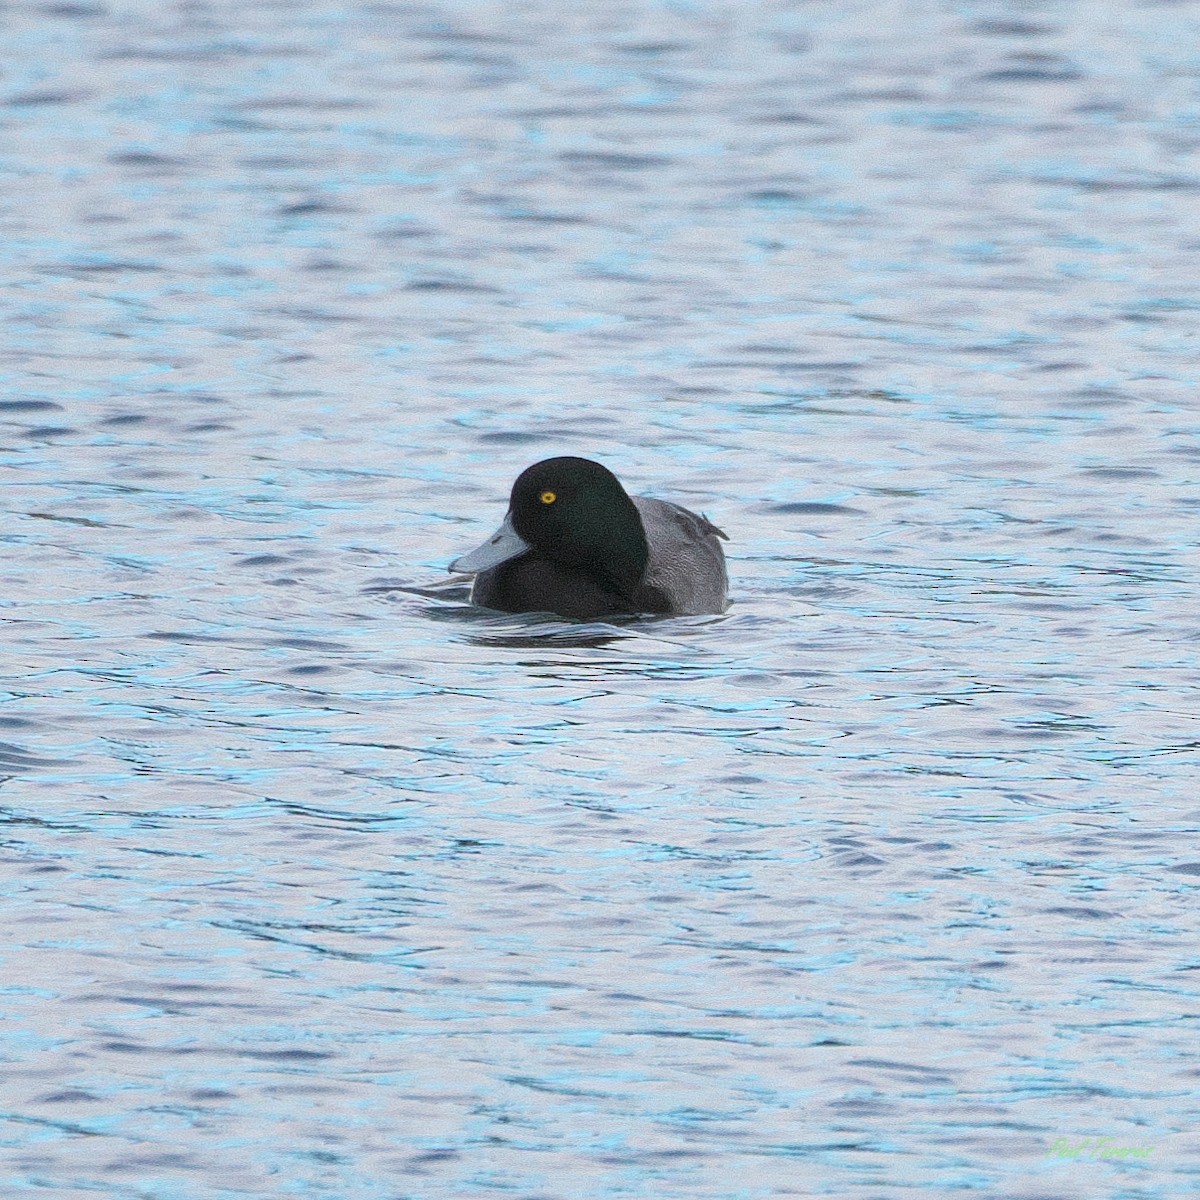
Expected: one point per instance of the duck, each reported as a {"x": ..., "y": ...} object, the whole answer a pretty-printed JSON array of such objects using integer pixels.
[{"x": 576, "y": 544}]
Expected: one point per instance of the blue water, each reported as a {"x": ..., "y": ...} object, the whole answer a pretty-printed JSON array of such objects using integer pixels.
[{"x": 319, "y": 882}]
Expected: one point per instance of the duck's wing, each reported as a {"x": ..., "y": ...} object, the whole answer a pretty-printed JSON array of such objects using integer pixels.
[{"x": 686, "y": 564}]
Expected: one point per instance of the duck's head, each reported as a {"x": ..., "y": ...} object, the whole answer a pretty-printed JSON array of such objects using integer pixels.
[{"x": 574, "y": 512}]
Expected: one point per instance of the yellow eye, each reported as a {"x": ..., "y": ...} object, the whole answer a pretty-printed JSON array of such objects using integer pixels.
[{"x": 547, "y": 497}]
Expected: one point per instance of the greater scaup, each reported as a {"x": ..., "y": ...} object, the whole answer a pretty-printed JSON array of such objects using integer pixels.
[{"x": 576, "y": 543}]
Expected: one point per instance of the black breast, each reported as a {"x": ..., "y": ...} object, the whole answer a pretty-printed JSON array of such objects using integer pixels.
[{"x": 533, "y": 584}]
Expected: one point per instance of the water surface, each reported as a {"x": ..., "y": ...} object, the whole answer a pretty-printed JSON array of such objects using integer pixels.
[{"x": 319, "y": 882}]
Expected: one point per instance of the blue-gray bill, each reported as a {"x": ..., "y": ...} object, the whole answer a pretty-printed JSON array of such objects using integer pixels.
[{"x": 504, "y": 544}]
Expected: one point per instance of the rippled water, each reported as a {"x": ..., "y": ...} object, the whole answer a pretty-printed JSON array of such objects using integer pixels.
[{"x": 319, "y": 882}]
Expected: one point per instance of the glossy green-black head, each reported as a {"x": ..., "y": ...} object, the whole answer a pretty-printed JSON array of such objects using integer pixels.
[{"x": 576, "y": 513}]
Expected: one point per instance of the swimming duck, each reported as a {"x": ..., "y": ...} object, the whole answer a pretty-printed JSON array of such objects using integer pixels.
[{"x": 574, "y": 542}]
